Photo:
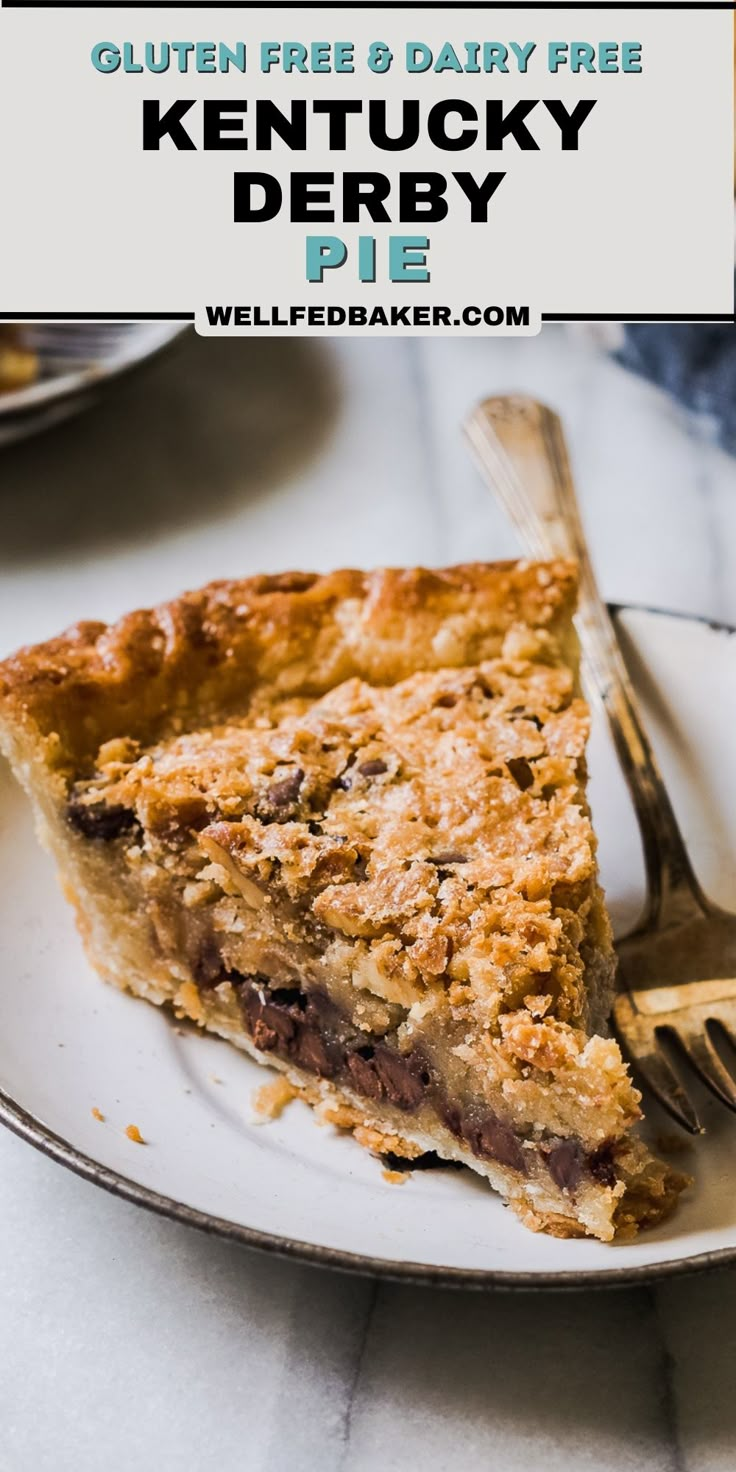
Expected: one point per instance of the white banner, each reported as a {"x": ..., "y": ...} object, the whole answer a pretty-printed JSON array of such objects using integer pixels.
[{"x": 366, "y": 170}]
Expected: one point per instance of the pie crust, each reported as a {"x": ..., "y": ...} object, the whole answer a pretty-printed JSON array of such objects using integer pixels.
[{"x": 341, "y": 821}]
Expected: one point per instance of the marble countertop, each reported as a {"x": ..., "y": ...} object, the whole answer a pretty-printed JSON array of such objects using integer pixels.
[{"x": 130, "y": 1341}]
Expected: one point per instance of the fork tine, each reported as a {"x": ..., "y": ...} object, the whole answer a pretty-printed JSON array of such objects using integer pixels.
[
  {"x": 700, "y": 1052},
  {"x": 662, "y": 1081},
  {"x": 654, "y": 1069},
  {"x": 716, "y": 1027}
]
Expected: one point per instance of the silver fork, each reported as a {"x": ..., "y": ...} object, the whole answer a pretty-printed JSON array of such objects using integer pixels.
[{"x": 678, "y": 967}]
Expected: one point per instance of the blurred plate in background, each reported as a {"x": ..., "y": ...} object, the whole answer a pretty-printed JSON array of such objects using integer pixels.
[{"x": 76, "y": 361}]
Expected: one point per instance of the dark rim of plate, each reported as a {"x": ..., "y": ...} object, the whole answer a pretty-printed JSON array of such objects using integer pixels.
[{"x": 29, "y": 1128}]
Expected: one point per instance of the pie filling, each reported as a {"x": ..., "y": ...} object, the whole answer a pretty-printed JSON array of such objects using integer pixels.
[
  {"x": 308, "y": 1030},
  {"x": 395, "y": 889}
]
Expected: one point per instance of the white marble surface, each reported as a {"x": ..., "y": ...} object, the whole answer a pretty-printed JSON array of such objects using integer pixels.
[{"x": 128, "y": 1341}]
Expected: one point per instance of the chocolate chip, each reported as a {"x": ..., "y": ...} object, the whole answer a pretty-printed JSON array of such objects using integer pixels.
[
  {"x": 207, "y": 967},
  {"x": 381, "y": 1072},
  {"x": 311, "y": 1052},
  {"x": 498, "y": 1142},
  {"x": 485, "y": 1134},
  {"x": 521, "y": 772},
  {"x": 601, "y": 1165},
  {"x": 565, "y": 1164},
  {"x": 403, "y": 1087},
  {"x": 282, "y": 794},
  {"x": 446, "y": 702},
  {"x": 452, "y": 1116},
  {"x": 449, "y": 856},
  {"x": 363, "y": 1074},
  {"x": 372, "y": 769},
  {"x": 278, "y": 1019},
  {"x": 99, "y": 819},
  {"x": 268, "y": 1022},
  {"x": 290, "y": 1023}
]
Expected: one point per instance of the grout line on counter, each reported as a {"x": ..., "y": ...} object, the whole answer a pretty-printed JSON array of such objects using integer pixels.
[
  {"x": 667, "y": 1387},
  {"x": 347, "y": 1425}
]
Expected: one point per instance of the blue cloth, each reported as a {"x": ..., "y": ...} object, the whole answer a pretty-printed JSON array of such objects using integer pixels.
[{"x": 696, "y": 362}]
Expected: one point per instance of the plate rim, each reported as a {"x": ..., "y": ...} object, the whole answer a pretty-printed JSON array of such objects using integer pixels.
[
  {"x": 45, "y": 393},
  {"x": 30, "y": 1128}
]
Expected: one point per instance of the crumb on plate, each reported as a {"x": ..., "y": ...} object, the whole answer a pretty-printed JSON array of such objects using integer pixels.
[
  {"x": 271, "y": 1099},
  {"x": 188, "y": 1003},
  {"x": 97, "y": 1114},
  {"x": 395, "y": 1177},
  {"x": 133, "y": 1133}
]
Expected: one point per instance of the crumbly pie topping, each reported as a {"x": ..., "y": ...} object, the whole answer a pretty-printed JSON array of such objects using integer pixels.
[{"x": 436, "y": 827}]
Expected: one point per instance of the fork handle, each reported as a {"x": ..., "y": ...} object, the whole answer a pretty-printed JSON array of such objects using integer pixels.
[{"x": 520, "y": 447}]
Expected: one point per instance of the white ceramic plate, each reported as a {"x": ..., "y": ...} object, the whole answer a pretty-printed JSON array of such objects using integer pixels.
[
  {"x": 69, "y": 1044},
  {"x": 77, "y": 360}
]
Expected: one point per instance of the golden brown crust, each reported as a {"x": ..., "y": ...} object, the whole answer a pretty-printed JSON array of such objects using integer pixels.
[{"x": 201, "y": 655}]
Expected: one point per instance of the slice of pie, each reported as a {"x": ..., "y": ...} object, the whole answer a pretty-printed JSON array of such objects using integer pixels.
[{"x": 341, "y": 821}]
